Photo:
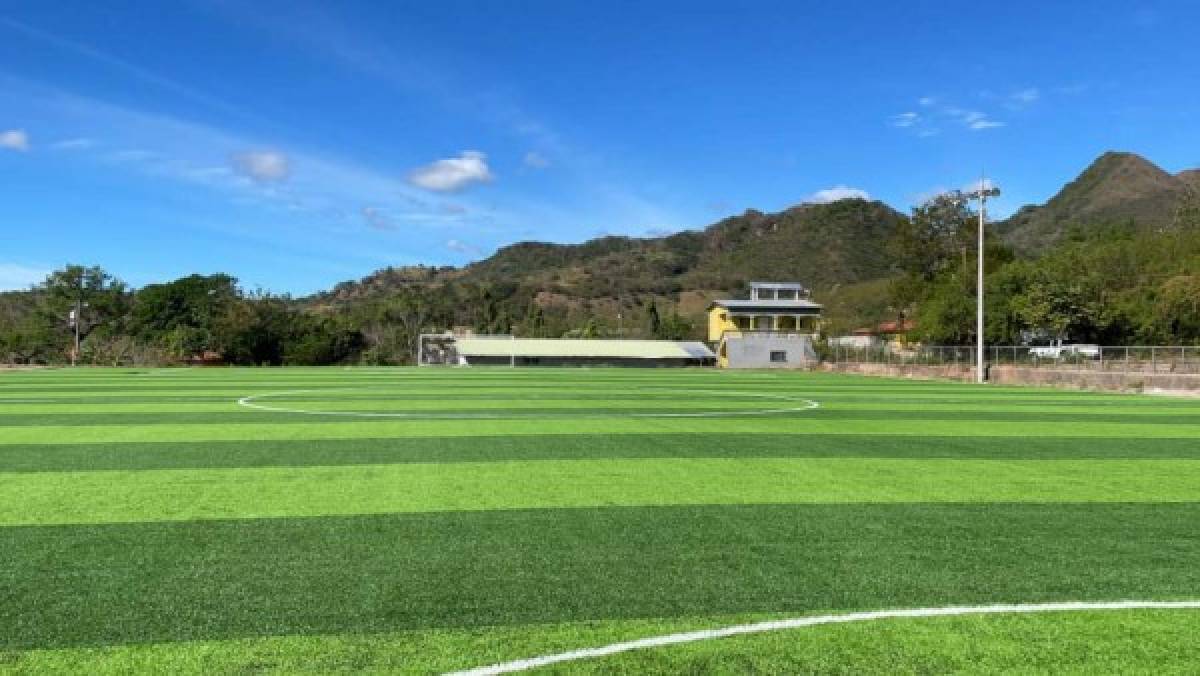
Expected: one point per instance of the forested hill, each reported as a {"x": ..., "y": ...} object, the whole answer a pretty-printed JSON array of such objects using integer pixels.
[
  {"x": 1116, "y": 189},
  {"x": 1113, "y": 257},
  {"x": 820, "y": 244}
]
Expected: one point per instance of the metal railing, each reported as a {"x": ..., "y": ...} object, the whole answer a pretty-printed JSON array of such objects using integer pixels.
[{"x": 1148, "y": 359}]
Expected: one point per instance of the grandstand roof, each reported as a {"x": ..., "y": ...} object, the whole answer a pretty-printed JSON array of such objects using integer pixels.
[
  {"x": 806, "y": 306},
  {"x": 565, "y": 347}
]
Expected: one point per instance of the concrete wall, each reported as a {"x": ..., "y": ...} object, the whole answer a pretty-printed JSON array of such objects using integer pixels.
[
  {"x": 1096, "y": 380},
  {"x": 753, "y": 351},
  {"x": 1156, "y": 383},
  {"x": 964, "y": 373}
]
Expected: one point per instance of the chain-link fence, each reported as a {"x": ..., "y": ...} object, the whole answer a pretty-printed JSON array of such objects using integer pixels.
[{"x": 1117, "y": 359}]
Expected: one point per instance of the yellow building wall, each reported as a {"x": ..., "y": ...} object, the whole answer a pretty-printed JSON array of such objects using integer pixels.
[{"x": 719, "y": 321}]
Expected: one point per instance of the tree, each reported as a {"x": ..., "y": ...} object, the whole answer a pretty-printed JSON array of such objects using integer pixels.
[
  {"x": 1056, "y": 305},
  {"x": 534, "y": 325},
  {"x": 1178, "y": 308},
  {"x": 674, "y": 327},
  {"x": 99, "y": 301},
  {"x": 655, "y": 320},
  {"x": 934, "y": 237},
  {"x": 180, "y": 315}
]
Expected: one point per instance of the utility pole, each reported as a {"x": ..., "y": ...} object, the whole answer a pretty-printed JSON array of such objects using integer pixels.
[
  {"x": 75, "y": 317},
  {"x": 982, "y": 192}
]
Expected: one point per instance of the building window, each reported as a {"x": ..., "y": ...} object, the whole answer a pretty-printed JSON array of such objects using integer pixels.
[
  {"x": 778, "y": 356},
  {"x": 786, "y": 294},
  {"x": 766, "y": 294}
]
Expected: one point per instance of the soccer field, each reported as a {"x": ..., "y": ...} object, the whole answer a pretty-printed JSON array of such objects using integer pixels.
[{"x": 441, "y": 519}]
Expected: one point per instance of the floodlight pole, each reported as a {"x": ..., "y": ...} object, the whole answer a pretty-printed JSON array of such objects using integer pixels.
[
  {"x": 981, "y": 193},
  {"x": 979, "y": 370},
  {"x": 75, "y": 352}
]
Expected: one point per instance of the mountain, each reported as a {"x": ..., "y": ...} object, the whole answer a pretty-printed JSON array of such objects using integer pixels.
[
  {"x": 821, "y": 245},
  {"x": 1117, "y": 188},
  {"x": 1190, "y": 178}
]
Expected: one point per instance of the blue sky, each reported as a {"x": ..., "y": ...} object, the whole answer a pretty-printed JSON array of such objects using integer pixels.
[{"x": 296, "y": 145}]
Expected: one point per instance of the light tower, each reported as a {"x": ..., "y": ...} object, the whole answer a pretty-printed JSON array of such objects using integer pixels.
[{"x": 982, "y": 192}]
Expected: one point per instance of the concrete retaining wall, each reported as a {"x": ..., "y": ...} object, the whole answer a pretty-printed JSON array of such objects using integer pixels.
[
  {"x": 1114, "y": 381},
  {"x": 1096, "y": 380},
  {"x": 916, "y": 372}
]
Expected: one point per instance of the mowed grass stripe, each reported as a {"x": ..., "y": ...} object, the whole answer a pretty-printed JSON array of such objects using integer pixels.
[
  {"x": 1130, "y": 642},
  {"x": 1140, "y": 641},
  {"x": 304, "y": 428},
  {"x": 379, "y": 451},
  {"x": 175, "y": 495},
  {"x": 172, "y": 408},
  {"x": 136, "y": 583},
  {"x": 311, "y": 413}
]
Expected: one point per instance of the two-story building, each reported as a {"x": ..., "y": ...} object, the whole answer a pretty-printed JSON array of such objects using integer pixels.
[{"x": 773, "y": 329}]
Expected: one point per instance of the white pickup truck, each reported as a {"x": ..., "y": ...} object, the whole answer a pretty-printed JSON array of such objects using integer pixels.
[{"x": 1080, "y": 350}]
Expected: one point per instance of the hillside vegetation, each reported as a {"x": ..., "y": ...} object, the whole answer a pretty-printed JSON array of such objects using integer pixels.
[
  {"x": 1113, "y": 257},
  {"x": 1118, "y": 188}
]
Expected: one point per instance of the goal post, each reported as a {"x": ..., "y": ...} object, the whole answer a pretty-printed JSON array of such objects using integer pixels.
[{"x": 442, "y": 349}]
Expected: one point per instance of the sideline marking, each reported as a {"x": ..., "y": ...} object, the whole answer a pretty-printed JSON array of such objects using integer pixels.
[
  {"x": 807, "y": 405},
  {"x": 795, "y": 623}
]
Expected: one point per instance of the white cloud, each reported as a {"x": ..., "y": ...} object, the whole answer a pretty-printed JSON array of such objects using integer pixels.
[
  {"x": 905, "y": 119},
  {"x": 73, "y": 144},
  {"x": 983, "y": 123},
  {"x": 454, "y": 173},
  {"x": 134, "y": 155},
  {"x": 837, "y": 192},
  {"x": 536, "y": 160},
  {"x": 926, "y": 101},
  {"x": 265, "y": 166},
  {"x": 1026, "y": 96},
  {"x": 18, "y": 277},
  {"x": 462, "y": 247},
  {"x": 377, "y": 220},
  {"x": 976, "y": 121},
  {"x": 14, "y": 139}
]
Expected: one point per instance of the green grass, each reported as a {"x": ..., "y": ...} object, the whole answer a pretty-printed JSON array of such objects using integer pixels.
[
  {"x": 1142, "y": 641},
  {"x": 150, "y": 523}
]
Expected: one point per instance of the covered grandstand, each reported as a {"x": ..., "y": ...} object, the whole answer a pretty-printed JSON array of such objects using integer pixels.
[{"x": 510, "y": 351}]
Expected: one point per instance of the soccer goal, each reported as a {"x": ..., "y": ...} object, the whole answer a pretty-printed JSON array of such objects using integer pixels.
[{"x": 442, "y": 349}]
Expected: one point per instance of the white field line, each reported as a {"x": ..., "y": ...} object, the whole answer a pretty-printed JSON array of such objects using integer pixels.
[
  {"x": 799, "y": 622},
  {"x": 252, "y": 401}
]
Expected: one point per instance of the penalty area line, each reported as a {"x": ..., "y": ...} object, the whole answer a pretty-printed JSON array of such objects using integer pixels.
[{"x": 799, "y": 622}]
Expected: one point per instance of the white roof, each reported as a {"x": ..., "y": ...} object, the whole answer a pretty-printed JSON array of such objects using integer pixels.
[
  {"x": 768, "y": 304},
  {"x": 564, "y": 347}
]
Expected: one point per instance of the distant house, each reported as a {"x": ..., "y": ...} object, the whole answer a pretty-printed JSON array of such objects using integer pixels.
[
  {"x": 774, "y": 328},
  {"x": 206, "y": 358},
  {"x": 893, "y": 334}
]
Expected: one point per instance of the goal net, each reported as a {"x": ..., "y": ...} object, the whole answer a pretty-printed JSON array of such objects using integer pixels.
[{"x": 442, "y": 349}]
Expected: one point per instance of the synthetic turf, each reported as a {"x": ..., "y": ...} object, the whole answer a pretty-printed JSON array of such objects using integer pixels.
[
  {"x": 173, "y": 495},
  {"x": 381, "y": 451},
  {"x": 92, "y": 585},
  {"x": 156, "y": 509}
]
